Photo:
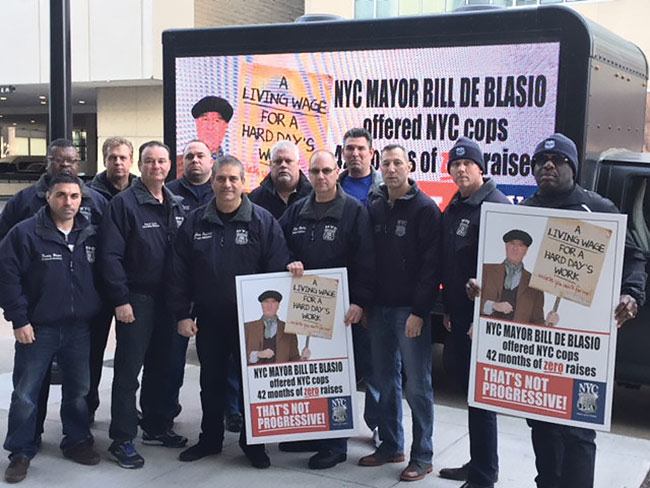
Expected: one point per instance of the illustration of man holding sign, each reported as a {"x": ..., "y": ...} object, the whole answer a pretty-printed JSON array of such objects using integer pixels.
[
  {"x": 266, "y": 340},
  {"x": 565, "y": 455}
]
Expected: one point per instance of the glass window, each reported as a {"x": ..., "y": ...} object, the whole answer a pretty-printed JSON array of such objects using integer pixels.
[
  {"x": 409, "y": 7},
  {"x": 433, "y": 6},
  {"x": 387, "y": 8},
  {"x": 364, "y": 9}
]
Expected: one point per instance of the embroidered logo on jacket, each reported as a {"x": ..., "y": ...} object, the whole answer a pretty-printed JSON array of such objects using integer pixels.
[
  {"x": 463, "y": 227},
  {"x": 329, "y": 233},
  {"x": 241, "y": 237},
  {"x": 201, "y": 236},
  {"x": 86, "y": 212},
  {"x": 298, "y": 229},
  {"x": 179, "y": 220},
  {"x": 90, "y": 254},
  {"x": 52, "y": 257},
  {"x": 150, "y": 225},
  {"x": 400, "y": 228}
]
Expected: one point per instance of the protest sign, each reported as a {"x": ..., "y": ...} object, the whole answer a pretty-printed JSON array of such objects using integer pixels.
[
  {"x": 529, "y": 359},
  {"x": 312, "y": 306},
  {"x": 296, "y": 386}
]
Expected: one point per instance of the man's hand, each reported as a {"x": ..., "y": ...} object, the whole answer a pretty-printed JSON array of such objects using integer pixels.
[
  {"x": 552, "y": 319},
  {"x": 502, "y": 307},
  {"x": 627, "y": 309},
  {"x": 25, "y": 334},
  {"x": 446, "y": 321},
  {"x": 413, "y": 326},
  {"x": 470, "y": 331},
  {"x": 472, "y": 289},
  {"x": 353, "y": 315},
  {"x": 305, "y": 355},
  {"x": 296, "y": 268},
  {"x": 187, "y": 328},
  {"x": 124, "y": 313},
  {"x": 265, "y": 354}
]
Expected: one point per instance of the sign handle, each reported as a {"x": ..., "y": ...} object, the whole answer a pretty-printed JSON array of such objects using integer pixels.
[{"x": 307, "y": 342}]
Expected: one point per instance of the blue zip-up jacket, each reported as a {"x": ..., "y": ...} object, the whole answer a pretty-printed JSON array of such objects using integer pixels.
[
  {"x": 634, "y": 278},
  {"x": 342, "y": 237},
  {"x": 407, "y": 245},
  {"x": 41, "y": 281},
  {"x": 208, "y": 253},
  {"x": 27, "y": 202},
  {"x": 460, "y": 226},
  {"x": 194, "y": 196},
  {"x": 136, "y": 236},
  {"x": 266, "y": 197},
  {"x": 102, "y": 185}
]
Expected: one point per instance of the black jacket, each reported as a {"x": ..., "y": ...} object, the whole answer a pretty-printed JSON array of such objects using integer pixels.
[
  {"x": 634, "y": 275},
  {"x": 27, "y": 202},
  {"x": 407, "y": 246},
  {"x": 194, "y": 196},
  {"x": 265, "y": 195},
  {"x": 460, "y": 228},
  {"x": 342, "y": 237},
  {"x": 208, "y": 253},
  {"x": 136, "y": 235},
  {"x": 42, "y": 282},
  {"x": 102, "y": 185}
]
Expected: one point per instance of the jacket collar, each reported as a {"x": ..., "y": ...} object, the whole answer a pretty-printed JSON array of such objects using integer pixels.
[
  {"x": 46, "y": 229},
  {"x": 243, "y": 214},
  {"x": 382, "y": 191},
  {"x": 377, "y": 180},
  {"x": 334, "y": 211},
  {"x": 143, "y": 196},
  {"x": 488, "y": 186},
  {"x": 560, "y": 200},
  {"x": 302, "y": 188}
]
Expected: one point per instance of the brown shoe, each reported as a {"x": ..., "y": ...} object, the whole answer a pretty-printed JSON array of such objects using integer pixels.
[
  {"x": 17, "y": 469},
  {"x": 82, "y": 453},
  {"x": 415, "y": 471},
  {"x": 377, "y": 458}
]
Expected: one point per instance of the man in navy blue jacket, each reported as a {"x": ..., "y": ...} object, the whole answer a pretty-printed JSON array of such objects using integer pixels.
[
  {"x": 47, "y": 291},
  {"x": 136, "y": 235},
  {"x": 406, "y": 225},
  {"x": 229, "y": 236},
  {"x": 460, "y": 226},
  {"x": 329, "y": 229}
]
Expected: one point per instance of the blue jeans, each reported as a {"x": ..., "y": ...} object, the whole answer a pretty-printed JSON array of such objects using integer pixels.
[
  {"x": 363, "y": 366},
  {"x": 71, "y": 344},
  {"x": 390, "y": 346}
]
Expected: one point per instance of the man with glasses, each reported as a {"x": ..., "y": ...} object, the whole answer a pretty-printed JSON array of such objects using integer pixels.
[
  {"x": 330, "y": 229},
  {"x": 565, "y": 456}
]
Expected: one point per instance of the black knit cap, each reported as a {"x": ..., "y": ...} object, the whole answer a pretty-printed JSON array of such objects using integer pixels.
[
  {"x": 466, "y": 148},
  {"x": 212, "y": 104},
  {"x": 270, "y": 294},
  {"x": 516, "y": 234},
  {"x": 559, "y": 144}
]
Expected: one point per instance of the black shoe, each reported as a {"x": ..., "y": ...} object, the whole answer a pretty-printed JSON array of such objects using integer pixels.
[
  {"x": 83, "y": 453},
  {"x": 299, "y": 446},
  {"x": 198, "y": 451},
  {"x": 469, "y": 484},
  {"x": 234, "y": 422},
  {"x": 458, "y": 474},
  {"x": 326, "y": 459},
  {"x": 257, "y": 456},
  {"x": 166, "y": 439},
  {"x": 17, "y": 469}
]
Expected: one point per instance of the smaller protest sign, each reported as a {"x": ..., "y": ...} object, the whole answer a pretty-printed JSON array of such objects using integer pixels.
[{"x": 312, "y": 306}]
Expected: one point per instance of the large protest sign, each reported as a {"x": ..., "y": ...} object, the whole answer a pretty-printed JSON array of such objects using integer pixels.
[
  {"x": 529, "y": 359},
  {"x": 296, "y": 386},
  {"x": 502, "y": 96}
]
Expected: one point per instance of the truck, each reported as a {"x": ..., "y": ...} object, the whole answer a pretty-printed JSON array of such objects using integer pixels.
[{"x": 506, "y": 78}]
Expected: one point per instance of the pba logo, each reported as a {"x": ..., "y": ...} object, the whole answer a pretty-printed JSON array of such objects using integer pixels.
[
  {"x": 340, "y": 410},
  {"x": 588, "y": 398}
]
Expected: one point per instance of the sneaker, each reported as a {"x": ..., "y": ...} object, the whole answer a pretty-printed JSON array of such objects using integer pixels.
[
  {"x": 234, "y": 422},
  {"x": 166, "y": 439},
  {"x": 82, "y": 453},
  {"x": 126, "y": 455},
  {"x": 197, "y": 451},
  {"x": 17, "y": 469}
]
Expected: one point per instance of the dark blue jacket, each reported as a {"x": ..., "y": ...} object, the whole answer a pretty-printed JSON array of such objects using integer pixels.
[
  {"x": 194, "y": 196},
  {"x": 266, "y": 197},
  {"x": 102, "y": 185},
  {"x": 634, "y": 275},
  {"x": 342, "y": 237},
  {"x": 41, "y": 281},
  {"x": 27, "y": 202},
  {"x": 460, "y": 226},
  {"x": 136, "y": 236},
  {"x": 208, "y": 253},
  {"x": 407, "y": 244}
]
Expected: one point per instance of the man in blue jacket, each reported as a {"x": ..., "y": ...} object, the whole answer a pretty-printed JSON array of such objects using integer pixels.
[
  {"x": 406, "y": 227},
  {"x": 329, "y": 229},
  {"x": 229, "y": 236},
  {"x": 47, "y": 291},
  {"x": 136, "y": 235},
  {"x": 460, "y": 226}
]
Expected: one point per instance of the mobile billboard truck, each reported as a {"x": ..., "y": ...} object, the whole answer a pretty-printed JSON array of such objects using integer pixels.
[{"x": 505, "y": 78}]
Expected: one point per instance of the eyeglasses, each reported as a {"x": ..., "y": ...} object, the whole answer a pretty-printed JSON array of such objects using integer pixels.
[
  {"x": 556, "y": 159},
  {"x": 325, "y": 171},
  {"x": 65, "y": 160}
]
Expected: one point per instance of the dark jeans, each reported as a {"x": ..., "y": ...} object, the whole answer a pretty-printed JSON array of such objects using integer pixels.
[
  {"x": 100, "y": 327},
  {"x": 71, "y": 344},
  {"x": 363, "y": 367},
  {"x": 146, "y": 342},
  {"x": 564, "y": 456},
  {"x": 484, "y": 458}
]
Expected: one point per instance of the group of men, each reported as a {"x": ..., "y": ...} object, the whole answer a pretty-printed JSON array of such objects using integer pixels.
[{"x": 162, "y": 259}]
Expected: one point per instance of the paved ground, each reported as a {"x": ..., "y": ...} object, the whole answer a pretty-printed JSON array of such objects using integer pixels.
[{"x": 623, "y": 460}]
